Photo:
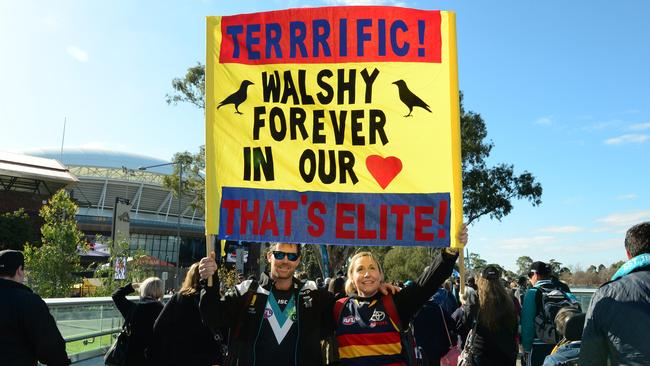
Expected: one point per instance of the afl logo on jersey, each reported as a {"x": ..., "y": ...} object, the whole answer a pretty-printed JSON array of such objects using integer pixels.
[
  {"x": 348, "y": 320},
  {"x": 268, "y": 313}
]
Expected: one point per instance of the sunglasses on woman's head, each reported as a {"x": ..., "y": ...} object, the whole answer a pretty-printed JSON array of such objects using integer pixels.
[{"x": 280, "y": 255}]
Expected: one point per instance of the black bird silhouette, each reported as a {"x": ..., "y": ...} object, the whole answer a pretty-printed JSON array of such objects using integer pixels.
[
  {"x": 237, "y": 97},
  {"x": 411, "y": 100}
]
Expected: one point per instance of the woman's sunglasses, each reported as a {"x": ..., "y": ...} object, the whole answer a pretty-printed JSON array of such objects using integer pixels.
[{"x": 280, "y": 255}]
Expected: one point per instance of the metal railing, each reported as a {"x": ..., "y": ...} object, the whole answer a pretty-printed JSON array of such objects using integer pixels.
[{"x": 88, "y": 325}]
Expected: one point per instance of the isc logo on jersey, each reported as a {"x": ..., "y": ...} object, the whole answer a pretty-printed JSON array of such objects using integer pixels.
[{"x": 349, "y": 320}]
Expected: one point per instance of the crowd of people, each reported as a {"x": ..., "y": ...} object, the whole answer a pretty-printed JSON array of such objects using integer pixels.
[{"x": 357, "y": 318}]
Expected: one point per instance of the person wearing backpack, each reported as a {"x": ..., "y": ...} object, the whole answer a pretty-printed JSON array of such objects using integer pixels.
[
  {"x": 541, "y": 304},
  {"x": 373, "y": 328}
]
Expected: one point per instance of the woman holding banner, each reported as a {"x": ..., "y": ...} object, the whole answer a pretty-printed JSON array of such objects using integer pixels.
[{"x": 369, "y": 324}]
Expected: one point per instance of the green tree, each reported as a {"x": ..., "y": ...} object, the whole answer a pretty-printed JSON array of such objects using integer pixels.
[
  {"x": 189, "y": 89},
  {"x": 16, "y": 230},
  {"x": 523, "y": 264},
  {"x": 50, "y": 267},
  {"x": 556, "y": 266},
  {"x": 486, "y": 190},
  {"x": 406, "y": 263}
]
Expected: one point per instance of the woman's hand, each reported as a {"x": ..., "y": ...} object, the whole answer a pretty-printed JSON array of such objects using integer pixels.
[{"x": 463, "y": 235}]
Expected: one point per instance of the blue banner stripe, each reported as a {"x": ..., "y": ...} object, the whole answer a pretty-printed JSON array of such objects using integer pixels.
[{"x": 417, "y": 219}]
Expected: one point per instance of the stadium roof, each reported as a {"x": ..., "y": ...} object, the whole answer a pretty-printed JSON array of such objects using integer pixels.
[
  {"x": 29, "y": 173},
  {"x": 103, "y": 158}
]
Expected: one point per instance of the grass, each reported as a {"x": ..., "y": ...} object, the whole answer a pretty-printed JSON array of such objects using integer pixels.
[{"x": 91, "y": 344}]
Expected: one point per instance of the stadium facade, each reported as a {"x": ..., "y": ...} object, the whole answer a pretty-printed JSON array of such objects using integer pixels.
[{"x": 104, "y": 176}]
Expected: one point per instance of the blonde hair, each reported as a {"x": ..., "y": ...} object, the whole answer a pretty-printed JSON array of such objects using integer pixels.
[
  {"x": 349, "y": 285},
  {"x": 191, "y": 282},
  {"x": 151, "y": 287}
]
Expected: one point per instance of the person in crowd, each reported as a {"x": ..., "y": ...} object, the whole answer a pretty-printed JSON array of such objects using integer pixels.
[
  {"x": 522, "y": 287},
  {"x": 555, "y": 280},
  {"x": 140, "y": 316},
  {"x": 618, "y": 317},
  {"x": 471, "y": 282},
  {"x": 365, "y": 331},
  {"x": 434, "y": 331},
  {"x": 179, "y": 335},
  {"x": 496, "y": 325},
  {"x": 540, "y": 279},
  {"x": 445, "y": 298},
  {"x": 28, "y": 333},
  {"x": 465, "y": 315},
  {"x": 569, "y": 323},
  {"x": 337, "y": 287}
]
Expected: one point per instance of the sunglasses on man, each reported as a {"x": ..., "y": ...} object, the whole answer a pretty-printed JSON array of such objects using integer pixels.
[
  {"x": 279, "y": 255},
  {"x": 531, "y": 274}
]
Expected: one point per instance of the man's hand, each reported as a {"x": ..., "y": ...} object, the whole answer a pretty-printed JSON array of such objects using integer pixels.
[
  {"x": 207, "y": 266},
  {"x": 387, "y": 288}
]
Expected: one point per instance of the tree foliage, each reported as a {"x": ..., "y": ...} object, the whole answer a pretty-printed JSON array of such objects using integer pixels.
[
  {"x": 189, "y": 89},
  {"x": 16, "y": 230},
  {"x": 486, "y": 190},
  {"x": 406, "y": 263},
  {"x": 50, "y": 267},
  {"x": 193, "y": 183},
  {"x": 523, "y": 265}
]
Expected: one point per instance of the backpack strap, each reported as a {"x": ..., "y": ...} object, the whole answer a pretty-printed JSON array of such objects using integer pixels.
[
  {"x": 338, "y": 308},
  {"x": 389, "y": 305}
]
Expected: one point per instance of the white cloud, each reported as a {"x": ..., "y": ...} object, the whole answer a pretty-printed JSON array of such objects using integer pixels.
[
  {"x": 627, "y": 139},
  {"x": 561, "y": 229},
  {"x": 603, "y": 125},
  {"x": 543, "y": 121},
  {"x": 640, "y": 126},
  {"x": 630, "y": 196},
  {"x": 623, "y": 220},
  {"x": 77, "y": 53},
  {"x": 527, "y": 242}
]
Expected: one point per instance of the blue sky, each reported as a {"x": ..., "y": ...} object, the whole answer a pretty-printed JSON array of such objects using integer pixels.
[{"x": 563, "y": 87}]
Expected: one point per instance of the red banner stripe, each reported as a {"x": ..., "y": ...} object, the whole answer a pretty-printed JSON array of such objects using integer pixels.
[{"x": 332, "y": 35}]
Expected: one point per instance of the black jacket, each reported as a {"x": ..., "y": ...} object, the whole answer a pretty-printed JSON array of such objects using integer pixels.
[
  {"x": 244, "y": 321},
  {"x": 618, "y": 322},
  {"x": 181, "y": 338},
  {"x": 28, "y": 332},
  {"x": 142, "y": 317}
]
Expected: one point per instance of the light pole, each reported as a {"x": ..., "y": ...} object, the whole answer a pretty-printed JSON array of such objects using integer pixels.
[{"x": 178, "y": 224}]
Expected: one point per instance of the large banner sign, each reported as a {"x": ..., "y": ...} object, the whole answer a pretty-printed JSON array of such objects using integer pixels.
[{"x": 334, "y": 125}]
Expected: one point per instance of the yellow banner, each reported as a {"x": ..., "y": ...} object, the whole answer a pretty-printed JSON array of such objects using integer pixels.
[{"x": 335, "y": 125}]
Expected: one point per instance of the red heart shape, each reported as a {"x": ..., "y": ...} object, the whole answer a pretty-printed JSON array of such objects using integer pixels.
[{"x": 383, "y": 169}]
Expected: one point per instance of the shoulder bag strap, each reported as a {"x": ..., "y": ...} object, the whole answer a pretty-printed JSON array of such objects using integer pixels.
[
  {"x": 444, "y": 321},
  {"x": 389, "y": 305}
]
